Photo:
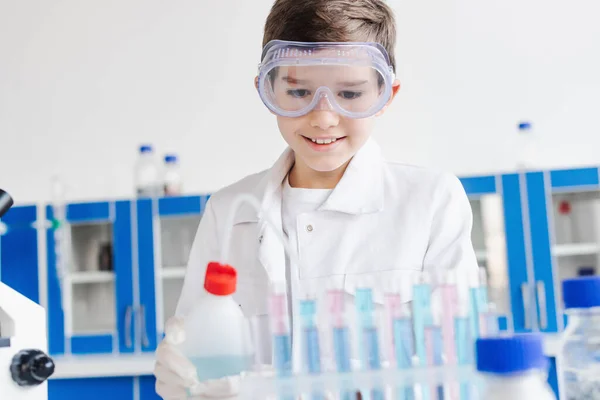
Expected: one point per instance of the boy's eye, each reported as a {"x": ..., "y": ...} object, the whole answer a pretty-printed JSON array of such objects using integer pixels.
[
  {"x": 349, "y": 95},
  {"x": 298, "y": 93}
]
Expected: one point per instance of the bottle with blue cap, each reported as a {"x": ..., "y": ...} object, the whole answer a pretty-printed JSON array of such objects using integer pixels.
[
  {"x": 172, "y": 176},
  {"x": 580, "y": 354},
  {"x": 513, "y": 367},
  {"x": 147, "y": 173}
]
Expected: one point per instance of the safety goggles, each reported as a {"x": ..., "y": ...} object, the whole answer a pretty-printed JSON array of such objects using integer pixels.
[{"x": 352, "y": 79}]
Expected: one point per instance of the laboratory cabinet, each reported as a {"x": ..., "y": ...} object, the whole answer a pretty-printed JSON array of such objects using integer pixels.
[
  {"x": 165, "y": 233},
  {"x": 114, "y": 388},
  {"x": 90, "y": 287},
  {"x": 118, "y": 275},
  {"x": 19, "y": 251},
  {"x": 102, "y": 388},
  {"x": 564, "y": 208}
]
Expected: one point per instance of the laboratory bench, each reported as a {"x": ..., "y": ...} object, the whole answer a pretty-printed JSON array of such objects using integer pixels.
[{"x": 127, "y": 262}]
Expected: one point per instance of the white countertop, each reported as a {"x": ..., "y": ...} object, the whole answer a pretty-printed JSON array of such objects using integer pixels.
[
  {"x": 109, "y": 365},
  {"x": 105, "y": 365}
]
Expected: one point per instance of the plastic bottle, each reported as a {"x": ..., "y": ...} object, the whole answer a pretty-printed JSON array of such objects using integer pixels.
[
  {"x": 580, "y": 353},
  {"x": 513, "y": 367},
  {"x": 147, "y": 174},
  {"x": 218, "y": 340},
  {"x": 172, "y": 176}
]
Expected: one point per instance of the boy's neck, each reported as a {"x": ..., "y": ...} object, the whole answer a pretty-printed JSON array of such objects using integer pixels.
[{"x": 302, "y": 176}]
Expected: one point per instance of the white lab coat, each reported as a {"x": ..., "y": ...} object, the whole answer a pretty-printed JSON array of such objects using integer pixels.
[{"x": 381, "y": 223}]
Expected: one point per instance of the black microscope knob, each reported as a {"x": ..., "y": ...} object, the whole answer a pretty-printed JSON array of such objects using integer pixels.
[{"x": 31, "y": 367}]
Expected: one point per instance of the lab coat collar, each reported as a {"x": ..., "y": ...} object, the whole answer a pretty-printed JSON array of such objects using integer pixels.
[{"x": 360, "y": 191}]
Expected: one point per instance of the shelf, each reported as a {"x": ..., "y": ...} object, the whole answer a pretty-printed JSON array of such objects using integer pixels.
[
  {"x": 173, "y": 272},
  {"x": 575, "y": 249},
  {"x": 92, "y": 277}
]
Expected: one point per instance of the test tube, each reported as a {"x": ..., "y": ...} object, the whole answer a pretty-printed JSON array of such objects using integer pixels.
[
  {"x": 310, "y": 333},
  {"x": 280, "y": 330},
  {"x": 449, "y": 298},
  {"x": 464, "y": 345},
  {"x": 488, "y": 321},
  {"x": 369, "y": 337},
  {"x": 403, "y": 347},
  {"x": 422, "y": 314},
  {"x": 434, "y": 344},
  {"x": 478, "y": 298},
  {"x": 310, "y": 339},
  {"x": 340, "y": 335}
]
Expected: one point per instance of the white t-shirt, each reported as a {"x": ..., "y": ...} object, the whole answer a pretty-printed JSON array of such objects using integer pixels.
[{"x": 297, "y": 201}]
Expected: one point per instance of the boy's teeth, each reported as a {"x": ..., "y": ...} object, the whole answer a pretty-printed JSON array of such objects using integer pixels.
[{"x": 323, "y": 141}]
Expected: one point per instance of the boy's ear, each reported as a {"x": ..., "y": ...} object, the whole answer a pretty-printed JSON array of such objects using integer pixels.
[
  {"x": 395, "y": 89},
  {"x": 256, "y": 82}
]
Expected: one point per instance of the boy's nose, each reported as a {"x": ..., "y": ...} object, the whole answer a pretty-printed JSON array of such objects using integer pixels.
[
  {"x": 324, "y": 119},
  {"x": 323, "y": 116}
]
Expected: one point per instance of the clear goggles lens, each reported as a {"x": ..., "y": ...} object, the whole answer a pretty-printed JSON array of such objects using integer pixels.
[{"x": 353, "y": 79}]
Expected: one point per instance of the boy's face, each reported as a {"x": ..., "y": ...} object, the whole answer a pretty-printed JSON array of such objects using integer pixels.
[{"x": 323, "y": 139}]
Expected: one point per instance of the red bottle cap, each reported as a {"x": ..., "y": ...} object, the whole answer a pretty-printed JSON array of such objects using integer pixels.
[{"x": 220, "y": 279}]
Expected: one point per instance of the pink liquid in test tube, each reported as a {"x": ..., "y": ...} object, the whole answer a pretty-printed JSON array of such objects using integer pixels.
[
  {"x": 278, "y": 311},
  {"x": 336, "y": 308},
  {"x": 393, "y": 303},
  {"x": 450, "y": 307}
]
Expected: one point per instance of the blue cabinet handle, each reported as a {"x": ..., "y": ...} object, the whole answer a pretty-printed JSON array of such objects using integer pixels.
[
  {"x": 541, "y": 297},
  {"x": 128, "y": 317},
  {"x": 526, "y": 305},
  {"x": 145, "y": 340}
]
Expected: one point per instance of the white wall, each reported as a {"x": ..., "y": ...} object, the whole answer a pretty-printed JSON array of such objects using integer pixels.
[{"x": 82, "y": 83}]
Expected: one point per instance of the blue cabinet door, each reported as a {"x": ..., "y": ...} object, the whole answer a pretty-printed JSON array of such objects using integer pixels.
[
  {"x": 539, "y": 204},
  {"x": 147, "y": 282},
  {"x": 118, "y": 388},
  {"x": 151, "y": 281},
  {"x": 148, "y": 388},
  {"x": 518, "y": 247},
  {"x": 19, "y": 251},
  {"x": 508, "y": 187},
  {"x": 544, "y": 189},
  {"x": 117, "y": 217}
]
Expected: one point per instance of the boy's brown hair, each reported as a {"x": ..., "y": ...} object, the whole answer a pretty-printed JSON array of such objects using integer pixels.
[{"x": 333, "y": 21}]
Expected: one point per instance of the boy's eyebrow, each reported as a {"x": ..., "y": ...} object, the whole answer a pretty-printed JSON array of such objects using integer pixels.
[
  {"x": 353, "y": 83},
  {"x": 292, "y": 80},
  {"x": 295, "y": 81}
]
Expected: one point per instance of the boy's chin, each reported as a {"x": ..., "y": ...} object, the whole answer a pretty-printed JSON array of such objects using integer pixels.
[{"x": 326, "y": 165}]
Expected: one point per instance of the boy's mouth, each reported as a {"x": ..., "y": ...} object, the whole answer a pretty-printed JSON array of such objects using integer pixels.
[{"x": 324, "y": 141}]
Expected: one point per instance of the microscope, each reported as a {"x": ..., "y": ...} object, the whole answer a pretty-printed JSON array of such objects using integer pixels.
[{"x": 24, "y": 364}]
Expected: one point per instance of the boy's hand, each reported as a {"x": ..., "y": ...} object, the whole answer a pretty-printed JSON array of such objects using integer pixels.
[{"x": 176, "y": 376}]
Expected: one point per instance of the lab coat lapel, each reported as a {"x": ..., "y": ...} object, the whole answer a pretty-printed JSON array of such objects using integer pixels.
[
  {"x": 361, "y": 189},
  {"x": 271, "y": 253}
]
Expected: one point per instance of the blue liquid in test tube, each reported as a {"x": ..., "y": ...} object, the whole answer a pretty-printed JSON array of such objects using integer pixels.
[
  {"x": 369, "y": 340},
  {"x": 310, "y": 340},
  {"x": 478, "y": 300},
  {"x": 341, "y": 344},
  {"x": 422, "y": 317},
  {"x": 282, "y": 344},
  {"x": 282, "y": 354},
  {"x": 402, "y": 329},
  {"x": 464, "y": 349},
  {"x": 341, "y": 336},
  {"x": 434, "y": 344}
]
